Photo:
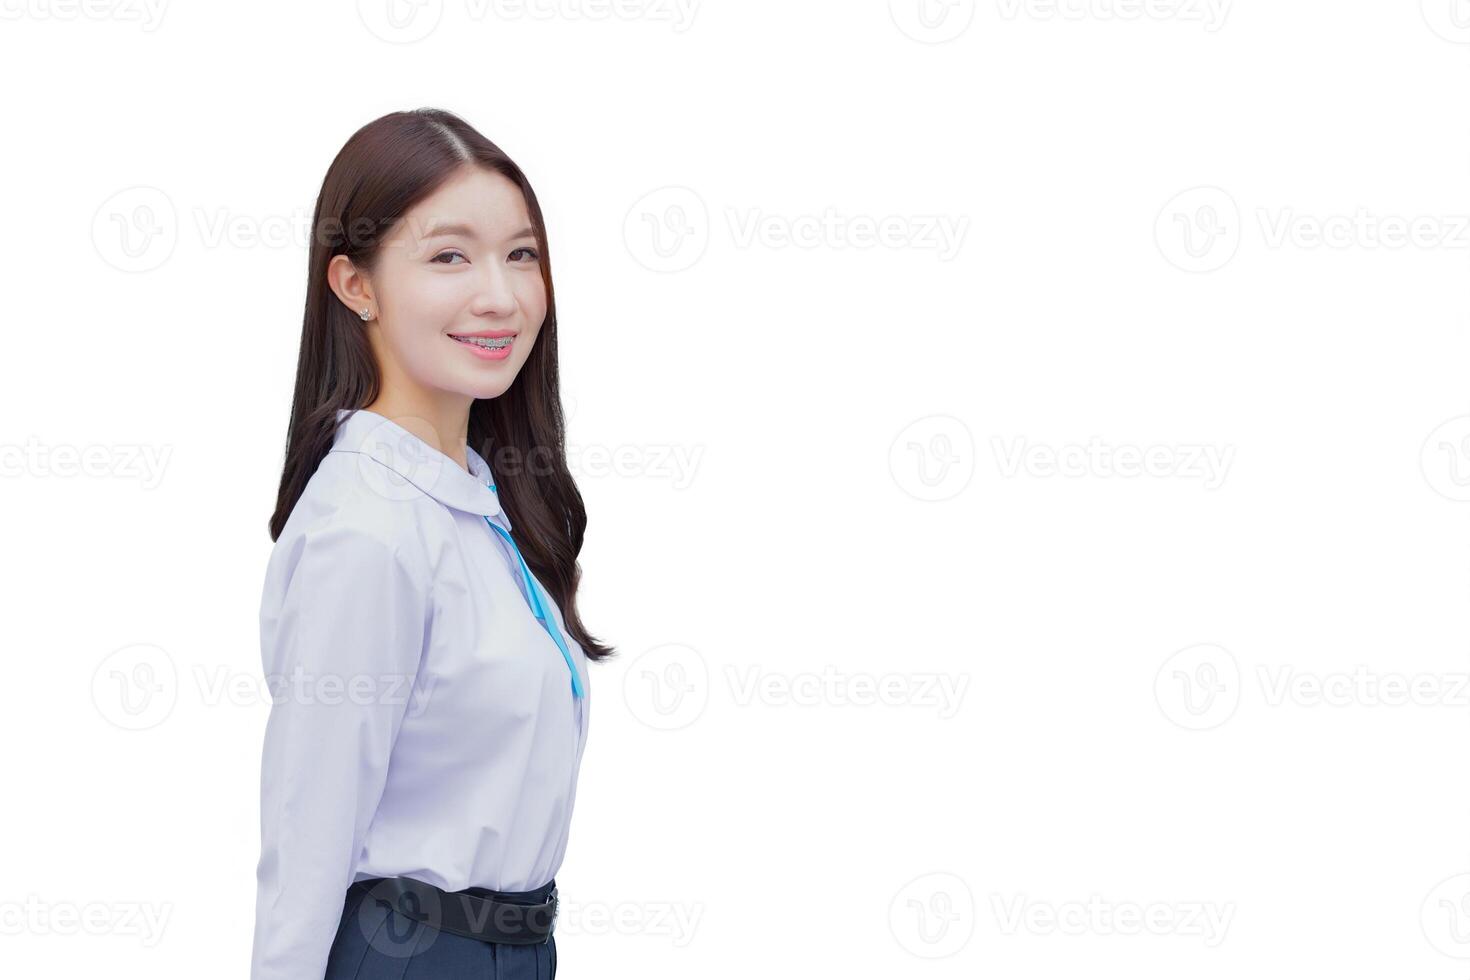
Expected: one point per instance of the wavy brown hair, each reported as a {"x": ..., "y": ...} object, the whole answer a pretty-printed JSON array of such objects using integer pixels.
[{"x": 387, "y": 167}]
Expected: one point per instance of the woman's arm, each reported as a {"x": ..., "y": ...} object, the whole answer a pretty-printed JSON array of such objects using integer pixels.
[{"x": 343, "y": 623}]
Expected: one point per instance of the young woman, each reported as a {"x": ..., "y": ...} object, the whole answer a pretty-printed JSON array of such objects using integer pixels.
[{"x": 419, "y": 627}]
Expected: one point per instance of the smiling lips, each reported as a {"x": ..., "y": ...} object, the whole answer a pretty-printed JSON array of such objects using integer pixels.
[{"x": 491, "y": 345}]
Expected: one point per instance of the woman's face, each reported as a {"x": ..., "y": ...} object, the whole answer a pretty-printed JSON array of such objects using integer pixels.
[{"x": 463, "y": 263}]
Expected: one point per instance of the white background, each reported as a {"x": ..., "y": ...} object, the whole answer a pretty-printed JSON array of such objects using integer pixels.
[{"x": 1206, "y": 719}]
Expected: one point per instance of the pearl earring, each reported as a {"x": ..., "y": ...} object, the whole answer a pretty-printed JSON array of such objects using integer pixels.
[{"x": 365, "y": 314}]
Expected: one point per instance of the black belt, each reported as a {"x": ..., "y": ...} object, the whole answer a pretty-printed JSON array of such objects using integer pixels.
[{"x": 491, "y": 920}]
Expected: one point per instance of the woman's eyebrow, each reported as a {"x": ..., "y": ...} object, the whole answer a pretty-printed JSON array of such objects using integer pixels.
[
  {"x": 465, "y": 231},
  {"x": 443, "y": 231}
]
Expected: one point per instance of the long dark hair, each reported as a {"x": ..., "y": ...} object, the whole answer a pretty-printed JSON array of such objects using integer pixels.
[{"x": 383, "y": 171}]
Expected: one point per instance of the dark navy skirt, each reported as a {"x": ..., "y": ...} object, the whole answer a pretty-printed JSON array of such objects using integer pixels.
[{"x": 376, "y": 942}]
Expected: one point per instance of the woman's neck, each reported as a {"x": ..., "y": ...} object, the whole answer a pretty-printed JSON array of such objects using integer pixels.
[{"x": 444, "y": 426}]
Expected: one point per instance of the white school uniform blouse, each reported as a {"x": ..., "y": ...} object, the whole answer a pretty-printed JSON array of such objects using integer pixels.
[{"x": 433, "y": 731}]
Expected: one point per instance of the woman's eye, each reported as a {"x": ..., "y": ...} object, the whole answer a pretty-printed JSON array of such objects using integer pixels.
[
  {"x": 451, "y": 253},
  {"x": 530, "y": 253}
]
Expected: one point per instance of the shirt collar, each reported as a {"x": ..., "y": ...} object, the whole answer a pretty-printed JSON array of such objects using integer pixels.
[{"x": 380, "y": 438}]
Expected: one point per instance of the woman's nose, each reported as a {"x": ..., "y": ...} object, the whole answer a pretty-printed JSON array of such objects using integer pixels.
[{"x": 494, "y": 297}]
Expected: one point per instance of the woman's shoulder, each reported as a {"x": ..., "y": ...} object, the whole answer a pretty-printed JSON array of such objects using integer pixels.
[
  {"x": 349, "y": 503},
  {"x": 348, "y": 561}
]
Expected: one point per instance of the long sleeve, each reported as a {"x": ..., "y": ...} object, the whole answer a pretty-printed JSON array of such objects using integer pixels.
[{"x": 343, "y": 625}]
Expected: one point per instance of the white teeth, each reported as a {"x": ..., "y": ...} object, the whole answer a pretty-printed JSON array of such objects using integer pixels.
[{"x": 493, "y": 343}]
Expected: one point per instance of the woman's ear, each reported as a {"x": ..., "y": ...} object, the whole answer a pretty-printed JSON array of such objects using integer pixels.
[{"x": 351, "y": 287}]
